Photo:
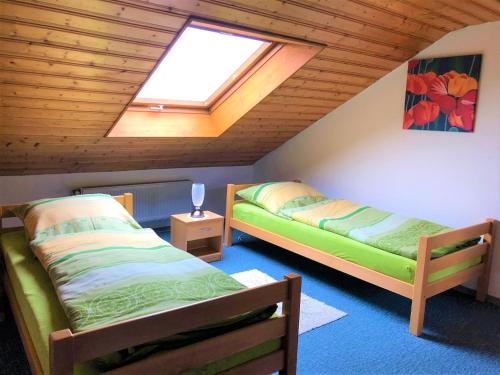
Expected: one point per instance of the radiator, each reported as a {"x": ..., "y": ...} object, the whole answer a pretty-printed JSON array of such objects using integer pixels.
[{"x": 153, "y": 202}]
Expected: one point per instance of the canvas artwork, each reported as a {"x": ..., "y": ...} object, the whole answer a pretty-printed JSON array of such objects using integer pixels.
[{"x": 441, "y": 93}]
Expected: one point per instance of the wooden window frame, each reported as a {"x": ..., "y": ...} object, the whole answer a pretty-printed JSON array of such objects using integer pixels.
[
  {"x": 281, "y": 58},
  {"x": 263, "y": 53}
]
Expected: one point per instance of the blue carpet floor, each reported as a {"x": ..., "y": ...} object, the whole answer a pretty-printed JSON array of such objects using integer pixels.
[{"x": 461, "y": 336}]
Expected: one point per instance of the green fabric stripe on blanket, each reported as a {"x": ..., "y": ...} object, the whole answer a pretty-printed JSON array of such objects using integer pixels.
[
  {"x": 68, "y": 256},
  {"x": 327, "y": 219},
  {"x": 384, "y": 230}
]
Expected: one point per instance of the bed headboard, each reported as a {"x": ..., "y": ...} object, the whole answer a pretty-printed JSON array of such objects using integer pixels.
[{"x": 126, "y": 200}]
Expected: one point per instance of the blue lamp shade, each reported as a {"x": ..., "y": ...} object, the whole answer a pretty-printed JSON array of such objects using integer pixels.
[{"x": 197, "y": 196}]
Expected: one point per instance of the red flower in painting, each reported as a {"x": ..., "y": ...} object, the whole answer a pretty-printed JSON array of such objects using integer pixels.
[
  {"x": 420, "y": 114},
  {"x": 447, "y": 89},
  {"x": 419, "y": 84},
  {"x": 463, "y": 115},
  {"x": 461, "y": 84},
  {"x": 408, "y": 120},
  {"x": 438, "y": 93},
  {"x": 412, "y": 64}
]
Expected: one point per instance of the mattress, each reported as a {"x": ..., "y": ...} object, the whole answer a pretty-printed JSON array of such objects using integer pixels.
[
  {"x": 370, "y": 257},
  {"x": 43, "y": 313}
]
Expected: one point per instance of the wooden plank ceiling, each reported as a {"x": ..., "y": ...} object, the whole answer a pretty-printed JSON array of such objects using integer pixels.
[{"x": 68, "y": 68}]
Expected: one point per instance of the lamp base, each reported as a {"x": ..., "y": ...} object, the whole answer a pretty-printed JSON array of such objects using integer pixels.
[{"x": 197, "y": 213}]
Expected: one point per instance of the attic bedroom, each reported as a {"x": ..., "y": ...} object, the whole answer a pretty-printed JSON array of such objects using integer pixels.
[{"x": 249, "y": 187}]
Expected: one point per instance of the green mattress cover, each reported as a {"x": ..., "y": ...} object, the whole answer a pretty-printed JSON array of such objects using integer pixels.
[
  {"x": 43, "y": 313},
  {"x": 370, "y": 257}
]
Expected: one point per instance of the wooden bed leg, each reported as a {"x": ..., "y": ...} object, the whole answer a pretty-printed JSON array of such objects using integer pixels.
[
  {"x": 417, "y": 316},
  {"x": 419, "y": 299},
  {"x": 228, "y": 231},
  {"x": 291, "y": 308},
  {"x": 482, "y": 285},
  {"x": 61, "y": 352}
]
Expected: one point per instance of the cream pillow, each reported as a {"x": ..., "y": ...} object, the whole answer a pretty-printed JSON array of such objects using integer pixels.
[
  {"x": 278, "y": 196},
  {"x": 45, "y": 218}
]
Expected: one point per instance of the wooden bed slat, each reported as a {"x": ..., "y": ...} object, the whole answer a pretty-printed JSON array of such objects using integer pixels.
[
  {"x": 454, "y": 280},
  {"x": 210, "y": 350},
  {"x": 94, "y": 343},
  {"x": 457, "y": 235},
  {"x": 457, "y": 257},
  {"x": 262, "y": 365}
]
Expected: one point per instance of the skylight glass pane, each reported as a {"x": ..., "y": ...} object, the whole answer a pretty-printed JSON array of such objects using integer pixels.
[{"x": 198, "y": 64}]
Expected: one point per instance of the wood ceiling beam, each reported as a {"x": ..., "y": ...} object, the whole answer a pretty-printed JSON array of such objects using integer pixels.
[
  {"x": 37, "y": 92},
  {"x": 24, "y": 112},
  {"x": 57, "y": 82},
  {"x": 415, "y": 12},
  {"x": 41, "y": 66},
  {"x": 66, "y": 105},
  {"x": 75, "y": 55},
  {"x": 450, "y": 10},
  {"x": 52, "y": 123},
  {"x": 115, "y": 11},
  {"x": 365, "y": 13},
  {"x": 43, "y": 33},
  {"x": 86, "y": 25}
]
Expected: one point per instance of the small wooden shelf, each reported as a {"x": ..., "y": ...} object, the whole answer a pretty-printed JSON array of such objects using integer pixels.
[{"x": 200, "y": 237}]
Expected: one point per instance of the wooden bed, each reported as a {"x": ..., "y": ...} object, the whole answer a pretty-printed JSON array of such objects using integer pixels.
[
  {"x": 421, "y": 289},
  {"x": 67, "y": 348}
]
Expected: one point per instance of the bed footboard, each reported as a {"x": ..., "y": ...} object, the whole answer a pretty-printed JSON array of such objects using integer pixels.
[
  {"x": 422, "y": 289},
  {"x": 67, "y": 348}
]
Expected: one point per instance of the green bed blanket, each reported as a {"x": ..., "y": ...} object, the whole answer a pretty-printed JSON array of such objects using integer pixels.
[
  {"x": 43, "y": 313},
  {"x": 103, "y": 277},
  {"x": 381, "y": 229},
  {"x": 343, "y": 247}
]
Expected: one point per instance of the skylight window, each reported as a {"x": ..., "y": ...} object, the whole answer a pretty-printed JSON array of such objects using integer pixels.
[
  {"x": 200, "y": 66},
  {"x": 210, "y": 77}
]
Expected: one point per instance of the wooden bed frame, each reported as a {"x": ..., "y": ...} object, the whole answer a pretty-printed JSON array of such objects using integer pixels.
[
  {"x": 67, "y": 348},
  {"x": 418, "y": 292}
]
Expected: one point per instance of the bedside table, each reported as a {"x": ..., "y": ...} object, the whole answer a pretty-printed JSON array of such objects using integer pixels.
[{"x": 200, "y": 237}]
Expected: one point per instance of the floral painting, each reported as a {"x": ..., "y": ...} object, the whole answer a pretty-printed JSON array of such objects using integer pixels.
[{"x": 441, "y": 93}]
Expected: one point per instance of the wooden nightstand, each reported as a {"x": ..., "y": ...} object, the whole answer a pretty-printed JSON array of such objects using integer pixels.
[{"x": 200, "y": 237}]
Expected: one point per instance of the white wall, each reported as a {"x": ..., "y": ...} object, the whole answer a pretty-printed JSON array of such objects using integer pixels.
[
  {"x": 360, "y": 151},
  {"x": 14, "y": 189}
]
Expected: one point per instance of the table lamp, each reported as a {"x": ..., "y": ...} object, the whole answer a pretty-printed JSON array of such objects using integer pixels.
[{"x": 197, "y": 196}]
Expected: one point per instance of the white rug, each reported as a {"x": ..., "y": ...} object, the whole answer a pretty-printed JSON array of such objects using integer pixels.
[{"x": 313, "y": 313}]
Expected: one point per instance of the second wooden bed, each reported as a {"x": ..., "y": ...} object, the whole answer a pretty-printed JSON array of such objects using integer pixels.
[
  {"x": 419, "y": 290},
  {"x": 67, "y": 348}
]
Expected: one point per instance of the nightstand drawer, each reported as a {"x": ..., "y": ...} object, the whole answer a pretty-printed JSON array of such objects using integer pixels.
[{"x": 204, "y": 229}]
